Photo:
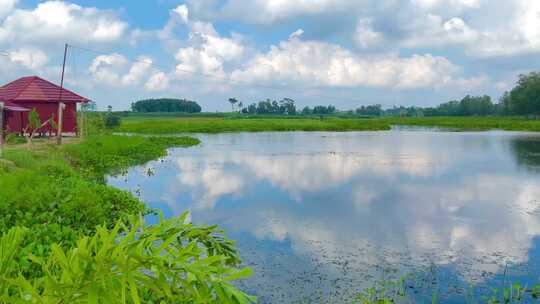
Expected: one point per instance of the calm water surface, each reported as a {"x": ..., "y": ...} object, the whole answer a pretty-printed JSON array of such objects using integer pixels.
[{"x": 322, "y": 215}]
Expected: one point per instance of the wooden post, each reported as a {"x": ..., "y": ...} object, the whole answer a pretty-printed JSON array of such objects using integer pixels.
[
  {"x": 60, "y": 104},
  {"x": 1, "y": 129},
  {"x": 81, "y": 128}
]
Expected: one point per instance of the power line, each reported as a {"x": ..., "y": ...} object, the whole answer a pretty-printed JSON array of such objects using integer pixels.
[{"x": 202, "y": 74}]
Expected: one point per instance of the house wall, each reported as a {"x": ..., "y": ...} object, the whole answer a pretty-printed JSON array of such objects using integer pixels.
[{"x": 46, "y": 111}]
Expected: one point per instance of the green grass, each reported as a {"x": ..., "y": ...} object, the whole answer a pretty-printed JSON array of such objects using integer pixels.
[
  {"x": 60, "y": 194},
  {"x": 469, "y": 123},
  {"x": 218, "y": 125},
  {"x": 154, "y": 124}
]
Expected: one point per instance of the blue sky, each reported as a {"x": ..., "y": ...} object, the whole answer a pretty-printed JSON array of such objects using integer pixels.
[{"x": 342, "y": 52}]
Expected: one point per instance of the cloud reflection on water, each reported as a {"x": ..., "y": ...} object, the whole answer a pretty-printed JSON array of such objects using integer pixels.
[{"x": 402, "y": 198}]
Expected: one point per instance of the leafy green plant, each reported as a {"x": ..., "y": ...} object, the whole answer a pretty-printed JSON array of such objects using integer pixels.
[{"x": 171, "y": 262}]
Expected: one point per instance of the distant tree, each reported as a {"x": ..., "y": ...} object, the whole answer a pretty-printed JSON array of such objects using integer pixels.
[
  {"x": 252, "y": 109},
  {"x": 370, "y": 110},
  {"x": 322, "y": 110},
  {"x": 524, "y": 99},
  {"x": 166, "y": 105},
  {"x": 233, "y": 101},
  {"x": 307, "y": 111}
]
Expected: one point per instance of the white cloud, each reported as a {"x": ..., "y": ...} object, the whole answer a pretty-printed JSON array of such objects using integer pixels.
[
  {"x": 58, "y": 20},
  {"x": 437, "y": 4},
  {"x": 138, "y": 70},
  {"x": 208, "y": 51},
  {"x": 29, "y": 58},
  {"x": 365, "y": 36},
  {"x": 323, "y": 64},
  {"x": 271, "y": 11},
  {"x": 105, "y": 68},
  {"x": 183, "y": 12},
  {"x": 159, "y": 81},
  {"x": 6, "y": 6}
]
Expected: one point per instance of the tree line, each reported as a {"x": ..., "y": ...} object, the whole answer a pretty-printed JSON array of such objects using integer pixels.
[
  {"x": 285, "y": 106},
  {"x": 166, "y": 105},
  {"x": 523, "y": 99}
]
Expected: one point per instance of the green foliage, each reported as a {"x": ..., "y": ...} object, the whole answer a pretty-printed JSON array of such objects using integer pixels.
[
  {"x": 172, "y": 262},
  {"x": 216, "y": 125},
  {"x": 524, "y": 99},
  {"x": 112, "y": 154},
  {"x": 371, "y": 110},
  {"x": 94, "y": 123},
  {"x": 34, "y": 122},
  {"x": 166, "y": 105},
  {"x": 323, "y": 110},
  {"x": 57, "y": 202},
  {"x": 286, "y": 106},
  {"x": 13, "y": 139},
  {"x": 468, "y": 123},
  {"x": 43, "y": 193},
  {"x": 112, "y": 120}
]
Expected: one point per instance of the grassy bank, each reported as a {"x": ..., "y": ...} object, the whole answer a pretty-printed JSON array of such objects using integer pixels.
[
  {"x": 468, "y": 123},
  {"x": 67, "y": 237},
  {"x": 153, "y": 124},
  {"x": 145, "y": 125},
  {"x": 59, "y": 193}
]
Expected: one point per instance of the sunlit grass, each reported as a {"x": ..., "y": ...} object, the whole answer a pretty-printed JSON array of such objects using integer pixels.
[{"x": 153, "y": 124}]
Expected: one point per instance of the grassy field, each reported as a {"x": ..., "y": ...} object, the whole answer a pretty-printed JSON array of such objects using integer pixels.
[
  {"x": 217, "y": 125},
  {"x": 153, "y": 124},
  {"x": 468, "y": 123}
]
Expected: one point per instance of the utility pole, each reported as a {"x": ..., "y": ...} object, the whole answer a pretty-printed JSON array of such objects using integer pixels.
[
  {"x": 1, "y": 128},
  {"x": 60, "y": 104}
]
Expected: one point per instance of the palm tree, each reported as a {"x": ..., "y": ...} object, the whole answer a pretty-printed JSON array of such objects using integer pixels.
[{"x": 233, "y": 101}]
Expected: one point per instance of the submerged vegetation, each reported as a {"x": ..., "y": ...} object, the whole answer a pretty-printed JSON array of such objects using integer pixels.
[{"x": 65, "y": 236}]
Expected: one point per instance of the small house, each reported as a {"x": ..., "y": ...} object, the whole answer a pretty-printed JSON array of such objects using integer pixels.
[{"x": 27, "y": 93}]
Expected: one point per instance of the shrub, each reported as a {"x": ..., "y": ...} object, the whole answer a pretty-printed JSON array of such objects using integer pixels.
[
  {"x": 112, "y": 120},
  {"x": 172, "y": 262}
]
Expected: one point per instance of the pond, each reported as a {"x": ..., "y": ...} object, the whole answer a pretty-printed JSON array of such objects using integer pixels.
[{"x": 320, "y": 216}]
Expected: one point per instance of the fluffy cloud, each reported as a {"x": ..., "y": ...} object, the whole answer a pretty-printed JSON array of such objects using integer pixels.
[
  {"x": 270, "y": 11},
  {"x": 208, "y": 51},
  {"x": 365, "y": 35},
  {"x": 116, "y": 70},
  {"x": 29, "y": 58},
  {"x": 58, "y": 20},
  {"x": 6, "y": 6},
  {"x": 138, "y": 70},
  {"x": 324, "y": 64},
  {"x": 159, "y": 81},
  {"x": 104, "y": 68}
]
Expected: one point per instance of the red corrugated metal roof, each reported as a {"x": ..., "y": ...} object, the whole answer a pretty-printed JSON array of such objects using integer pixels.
[{"x": 34, "y": 88}]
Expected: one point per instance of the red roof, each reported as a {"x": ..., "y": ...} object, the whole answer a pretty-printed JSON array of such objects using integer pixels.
[{"x": 34, "y": 88}]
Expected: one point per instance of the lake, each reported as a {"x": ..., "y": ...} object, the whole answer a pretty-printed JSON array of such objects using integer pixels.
[{"x": 322, "y": 215}]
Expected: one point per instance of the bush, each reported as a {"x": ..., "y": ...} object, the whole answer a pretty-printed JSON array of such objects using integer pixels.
[
  {"x": 172, "y": 262},
  {"x": 112, "y": 120},
  {"x": 13, "y": 139}
]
